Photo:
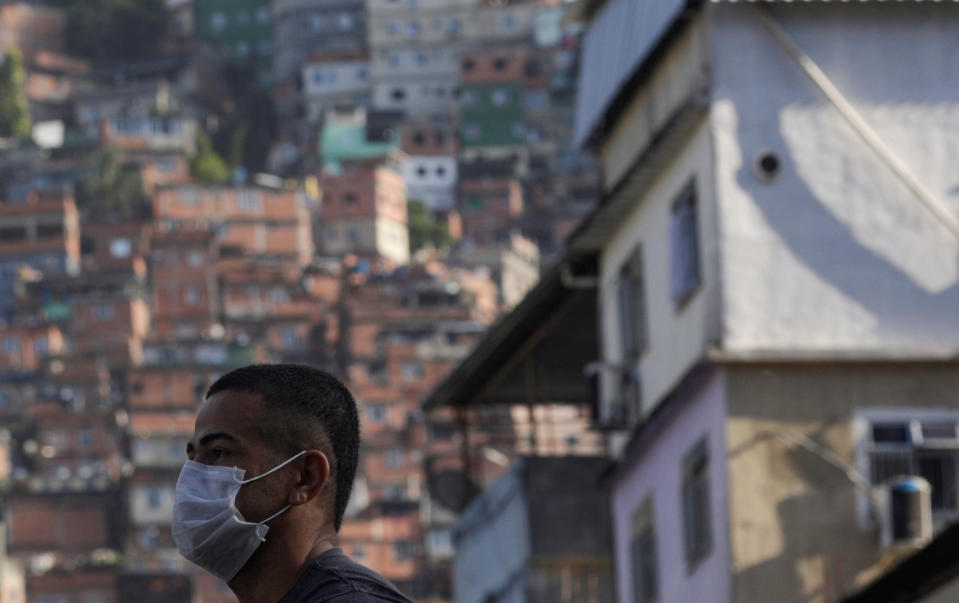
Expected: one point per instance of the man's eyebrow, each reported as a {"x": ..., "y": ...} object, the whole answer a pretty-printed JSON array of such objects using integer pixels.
[{"x": 219, "y": 435}]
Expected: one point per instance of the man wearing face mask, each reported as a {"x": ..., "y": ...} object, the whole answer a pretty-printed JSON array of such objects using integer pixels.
[{"x": 259, "y": 503}]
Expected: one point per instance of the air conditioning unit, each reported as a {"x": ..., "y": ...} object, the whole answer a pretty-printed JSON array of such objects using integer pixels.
[
  {"x": 906, "y": 511},
  {"x": 619, "y": 408}
]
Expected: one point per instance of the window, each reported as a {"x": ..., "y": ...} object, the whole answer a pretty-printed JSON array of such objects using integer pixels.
[
  {"x": 194, "y": 258},
  {"x": 412, "y": 371},
  {"x": 13, "y": 233},
  {"x": 398, "y": 94},
  {"x": 279, "y": 295},
  {"x": 41, "y": 346},
  {"x": 471, "y": 132},
  {"x": 50, "y": 230},
  {"x": 396, "y": 491},
  {"x": 358, "y": 553},
  {"x": 11, "y": 345},
  {"x": 684, "y": 272},
  {"x": 499, "y": 97},
  {"x": 499, "y": 64},
  {"x": 191, "y": 296},
  {"x": 394, "y": 458},
  {"x": 242, "y": 17},
  {"x": 509, "y": 21},
  {"x": 249, "y": 200},
  {"x": 536, "y": 99},
  {"x": 643, "y": 553},
  {"x": 413, "y": 28},
  {"x": 291, "y": 338},
  {"x": 217, "y": 21},
  {"x": 377, "y": 413},
  {"x": 441, "y": 171},
  {"x": 103, "y": 311},
  {"x": 263, "y": 14},
  {"x": 900, "y": 444},
  {"x": 85, "y": 438},
  {"x": 316, "y": 21},
  {"x": 631, "y": 307},
  {"x": 468, "y": 97},
  {"x": 120, "y": 248},
  {"x": 697, "y": 531},
  {"x": 453, "y": 28},
  {"x": 345, "y": 21},
  {"x": 468, "y": 65},
  {"x": 421, "y": 172},
  {"x": 349, "y": 198},
  {"x": 155, "y": 497},
  {"x": 189, "y": 196},
  {"x": 242, "y": 49}
]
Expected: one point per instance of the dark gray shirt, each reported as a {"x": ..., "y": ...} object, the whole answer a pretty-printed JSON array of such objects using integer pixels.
[{"x": 334, "y": 577}]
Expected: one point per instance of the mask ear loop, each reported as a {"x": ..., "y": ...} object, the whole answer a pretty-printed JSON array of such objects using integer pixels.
[
  {"x": 277, "y": 468},
  {"x": 272, "y": 517}
]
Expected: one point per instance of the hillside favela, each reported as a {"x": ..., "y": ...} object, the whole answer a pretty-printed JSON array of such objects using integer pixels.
[{"x": 640, "y": 300}]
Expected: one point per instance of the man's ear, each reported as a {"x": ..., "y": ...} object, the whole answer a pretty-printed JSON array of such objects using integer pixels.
[{"x": 314, "y": 474}]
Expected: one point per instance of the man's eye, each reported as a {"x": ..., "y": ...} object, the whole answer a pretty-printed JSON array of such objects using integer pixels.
[{"x": 218, "y": 453}]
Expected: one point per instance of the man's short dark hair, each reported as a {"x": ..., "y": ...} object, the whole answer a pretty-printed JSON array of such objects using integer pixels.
[{"x": 306, "y": 408}]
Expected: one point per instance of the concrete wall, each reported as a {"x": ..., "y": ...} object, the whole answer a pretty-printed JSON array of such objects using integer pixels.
[
  {"x": 677, "y": 337},
  {"x": 151, "y": 503},
  {"x": 835, "y": 252},
  {"x": 792, "y": 516},
  {"x": 492, "y": 543},
  {"x": 660, "y": 476}
]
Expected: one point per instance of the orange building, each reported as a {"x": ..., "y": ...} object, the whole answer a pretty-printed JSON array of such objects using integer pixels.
[
  {"x": 259, "y": 221},
  {"x": 42, "y": 235},
  {"x": 364, "y": 211},
  {"x": 185, "y": 293}
]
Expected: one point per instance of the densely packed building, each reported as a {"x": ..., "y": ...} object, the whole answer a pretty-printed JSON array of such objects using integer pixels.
[{"x": 415, "y": 178}]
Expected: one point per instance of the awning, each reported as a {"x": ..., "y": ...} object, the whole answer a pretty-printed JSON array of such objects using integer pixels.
[{"x": 536, "y": 353}]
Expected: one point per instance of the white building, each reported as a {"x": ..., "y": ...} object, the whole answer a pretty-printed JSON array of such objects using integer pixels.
[
  {"x": 775, "y": 272},
  {"x": 414, "y": 53},
  {"x": 431, "y": 179},
  {"x": 415, "y": 47},
  {"x": 335, "y": 81}
]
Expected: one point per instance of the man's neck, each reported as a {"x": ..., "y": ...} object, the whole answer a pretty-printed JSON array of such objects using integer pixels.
[{"x": 273, "y": 570}]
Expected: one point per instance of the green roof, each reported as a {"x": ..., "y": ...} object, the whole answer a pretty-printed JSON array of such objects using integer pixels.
[{"x": 346, "y": 141}]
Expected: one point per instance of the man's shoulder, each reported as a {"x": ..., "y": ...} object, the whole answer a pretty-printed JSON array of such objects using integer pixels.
[{"x": 332, "y": 576}]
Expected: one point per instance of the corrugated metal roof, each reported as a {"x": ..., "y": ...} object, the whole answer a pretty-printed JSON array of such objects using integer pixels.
[{"x": 618, "y": 40}]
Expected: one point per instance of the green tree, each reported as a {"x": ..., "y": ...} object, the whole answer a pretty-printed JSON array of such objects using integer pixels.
[
  {"x": 14, "y": 109},
  {"x": 111, "y": 188},
  {"x": 205, "y": 165},
  {"x": 114, "y": 30},
  {"x": 425, "y": 229}
]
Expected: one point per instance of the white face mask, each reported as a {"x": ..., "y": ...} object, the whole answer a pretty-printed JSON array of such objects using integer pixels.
[{"x": 207, "y": 527}]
